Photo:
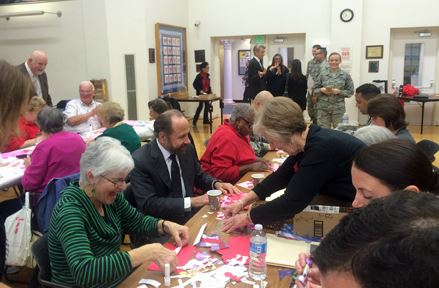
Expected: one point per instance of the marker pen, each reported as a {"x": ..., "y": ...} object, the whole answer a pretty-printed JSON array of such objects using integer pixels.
[{"x": 302, "y": 278}]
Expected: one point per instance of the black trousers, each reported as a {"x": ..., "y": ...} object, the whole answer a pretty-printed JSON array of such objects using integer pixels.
[{"x": 205, "y": 114}]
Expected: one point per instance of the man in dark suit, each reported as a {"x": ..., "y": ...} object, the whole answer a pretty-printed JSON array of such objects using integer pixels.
[
  {"x": 256, "y": 72},
  {"x": 34, "y": 68},
  {"x": 166, "y": 171}
]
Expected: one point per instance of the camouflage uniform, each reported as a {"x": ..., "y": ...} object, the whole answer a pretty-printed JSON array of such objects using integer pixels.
[
  {"x": 330, "y": 108},
  {"x": 259, "y": 145},
  {"x": 312, "y": 74}
]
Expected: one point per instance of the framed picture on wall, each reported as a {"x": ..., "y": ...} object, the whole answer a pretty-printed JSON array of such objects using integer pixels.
[
  {"x": 374, "y": 52},
  {"x": 243, "y": 57},
  {"x": 171, "y": 59},
  {"x": 374, "y": 66}
]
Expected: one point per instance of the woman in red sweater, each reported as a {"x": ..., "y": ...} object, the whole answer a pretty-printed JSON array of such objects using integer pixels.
[
  {"x": 28, "y": 130},
  {"x": 228, "y": 154}
]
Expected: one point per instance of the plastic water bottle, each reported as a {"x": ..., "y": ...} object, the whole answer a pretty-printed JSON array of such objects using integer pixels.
[
  {"x": 258, "y": 251},
  {"x": 345, "y": 119}
]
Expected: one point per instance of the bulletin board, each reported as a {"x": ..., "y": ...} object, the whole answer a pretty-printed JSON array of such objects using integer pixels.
[{"x": 171, "y": 59}]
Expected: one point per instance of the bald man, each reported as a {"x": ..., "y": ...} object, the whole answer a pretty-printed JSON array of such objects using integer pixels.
[
  {"x": 34, "y": 68},
  {"x": 261, "y": 99},
  {"x": 259, "y": 145},
  {"x": 80, "y": 114}
]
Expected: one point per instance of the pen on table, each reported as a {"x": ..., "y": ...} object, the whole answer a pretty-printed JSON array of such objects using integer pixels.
[
  {"x": 302, "y": 278},
  {"x": 167, "y": 275}
]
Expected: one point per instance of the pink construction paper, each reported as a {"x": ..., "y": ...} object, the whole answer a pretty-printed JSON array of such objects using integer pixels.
[
  {"x": 186, "y": 253},
  {"x": 237, "y": 245}
]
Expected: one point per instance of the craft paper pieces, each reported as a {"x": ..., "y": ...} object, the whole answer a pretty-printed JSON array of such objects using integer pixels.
[
  {"x": 237, "y": 245},
  {"x": 186, "y": 253}
]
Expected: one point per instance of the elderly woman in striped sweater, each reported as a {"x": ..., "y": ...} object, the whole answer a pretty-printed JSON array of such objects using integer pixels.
[{"x": 86, "y": 227}]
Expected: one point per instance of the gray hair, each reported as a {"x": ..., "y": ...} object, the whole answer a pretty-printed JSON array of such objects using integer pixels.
[
  {"x": 258, "y": 47},
  {"x": 102, "y": 156},
  {"x": 50, "y": 120},
  {"x": 243, "y": 111},
  {"x": 373, "y": 134}
]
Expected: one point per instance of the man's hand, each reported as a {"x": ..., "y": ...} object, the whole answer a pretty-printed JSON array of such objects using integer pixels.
[
  {"x": 227, "y": 188},
  {"x": 199, "y": 201}
]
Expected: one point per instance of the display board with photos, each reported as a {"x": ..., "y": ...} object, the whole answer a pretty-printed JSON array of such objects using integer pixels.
[{"x": 171, "y": 60}]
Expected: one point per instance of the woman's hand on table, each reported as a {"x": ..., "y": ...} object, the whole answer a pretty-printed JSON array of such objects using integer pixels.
[
  {"x": 179, "y": 233},
  {"x": 235, "y": 222},
  {"x": 227, "y": 188},
  {"x": 162, "y": 256},
  {"x": 233, "y": 209},
  {"x": 313, "y": 279}
]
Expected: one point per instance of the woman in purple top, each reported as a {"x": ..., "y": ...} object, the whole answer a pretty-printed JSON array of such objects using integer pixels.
[{"x": 57, "y": 155}]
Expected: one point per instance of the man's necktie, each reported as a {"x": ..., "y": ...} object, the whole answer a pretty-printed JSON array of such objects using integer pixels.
[{"x": 175, "y": 177}]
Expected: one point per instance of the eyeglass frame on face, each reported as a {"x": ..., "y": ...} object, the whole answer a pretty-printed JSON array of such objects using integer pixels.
[
  {"x": 118, "y": 181},
  {"x": 250, "y": 125}
]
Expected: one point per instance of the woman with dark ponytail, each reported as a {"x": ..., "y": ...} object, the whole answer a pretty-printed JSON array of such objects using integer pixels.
[{"x": 389, "y": 166}]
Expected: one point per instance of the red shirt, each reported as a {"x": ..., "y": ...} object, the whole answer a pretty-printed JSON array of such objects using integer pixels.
[
  {"x": 27, "y": 130},
  {"x": 225, "y": 152},
  {"x": 205, "y": 82}
]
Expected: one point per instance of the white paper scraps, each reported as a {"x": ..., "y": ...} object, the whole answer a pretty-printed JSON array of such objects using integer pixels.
[
  {"x": 177, "y": 250},
  {"x": 150, "y": 282},
  {"x": 210, "y": 212},
  {"x": 200, "y": 233},
  {"x": 204, "y": 216},
  {"x": 278, "y": 160},
  {"x": 246, "y": 184}
]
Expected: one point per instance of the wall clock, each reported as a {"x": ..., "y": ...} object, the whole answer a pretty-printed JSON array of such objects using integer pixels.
[{"x": 347, "y": 15}]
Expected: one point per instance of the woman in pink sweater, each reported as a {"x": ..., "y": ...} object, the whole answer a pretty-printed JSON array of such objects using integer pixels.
[{"x": 57, "y": 155}]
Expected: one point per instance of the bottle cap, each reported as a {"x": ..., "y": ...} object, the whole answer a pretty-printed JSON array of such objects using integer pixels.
[{"x": 258, "y": 227}]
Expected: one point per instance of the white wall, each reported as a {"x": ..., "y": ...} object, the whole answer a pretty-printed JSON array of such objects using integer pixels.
[
  {"x": 228, "y": 18},
  {"x": 91, "y": 38},
  {"x": 62, "y": 38}
]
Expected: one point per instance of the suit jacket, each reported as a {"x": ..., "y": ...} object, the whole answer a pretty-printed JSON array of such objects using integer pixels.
[
  {"x": 151, "y": 183},
  {"x": 43, "y": 83},
  {"x": 254, "y": 83}
]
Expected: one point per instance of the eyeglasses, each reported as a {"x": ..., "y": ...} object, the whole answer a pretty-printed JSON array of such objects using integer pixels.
[
  {"x": 114, "y": 182},
  {"x": 248, "y": 122}
]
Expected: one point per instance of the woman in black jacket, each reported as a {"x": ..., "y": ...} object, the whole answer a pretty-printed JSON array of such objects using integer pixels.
[
  {"x": 202, "y": 86},
  {"x": 277, "y": 74},
  {"x": 297, "y": 84}
]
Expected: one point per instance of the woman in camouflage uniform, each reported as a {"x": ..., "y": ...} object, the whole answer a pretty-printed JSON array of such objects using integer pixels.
[{"x": 331, "y": 89}]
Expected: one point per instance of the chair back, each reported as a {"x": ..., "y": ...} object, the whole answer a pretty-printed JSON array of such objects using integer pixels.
[
  {"x": 173, "y": 103},
  {"x": 48, "y": 199},
  {"x": 429, "y": 147},
  {"x": 61, "y": 105},
  {"x": 40, "y": 251}
]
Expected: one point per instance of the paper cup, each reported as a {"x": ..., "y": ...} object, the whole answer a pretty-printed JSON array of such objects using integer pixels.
[
  {"x": 214, "y": 199},
  {"x": 257, "y": 178}
]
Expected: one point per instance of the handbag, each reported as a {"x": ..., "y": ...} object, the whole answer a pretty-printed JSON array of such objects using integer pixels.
[{"x": 18, "y": 235}]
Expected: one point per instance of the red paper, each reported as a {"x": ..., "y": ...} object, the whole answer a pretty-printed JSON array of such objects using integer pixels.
[
  {"x": 237, "y": 245},
  {"x": 186, "y": 254}
]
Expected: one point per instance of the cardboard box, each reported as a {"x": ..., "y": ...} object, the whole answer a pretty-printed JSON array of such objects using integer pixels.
[{"x": 318, "y": 222}]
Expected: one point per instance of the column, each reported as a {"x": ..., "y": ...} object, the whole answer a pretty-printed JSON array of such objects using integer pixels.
[
  {"x": 283, "y": 51},
  {"x": 228, "y": 97}
]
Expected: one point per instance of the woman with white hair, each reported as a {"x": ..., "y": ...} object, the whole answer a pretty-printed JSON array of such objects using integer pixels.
[
  {"x": 86, "y": 227},
  {"x": 228, "y": 154},
  {"x": 373, "y": 134}
]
